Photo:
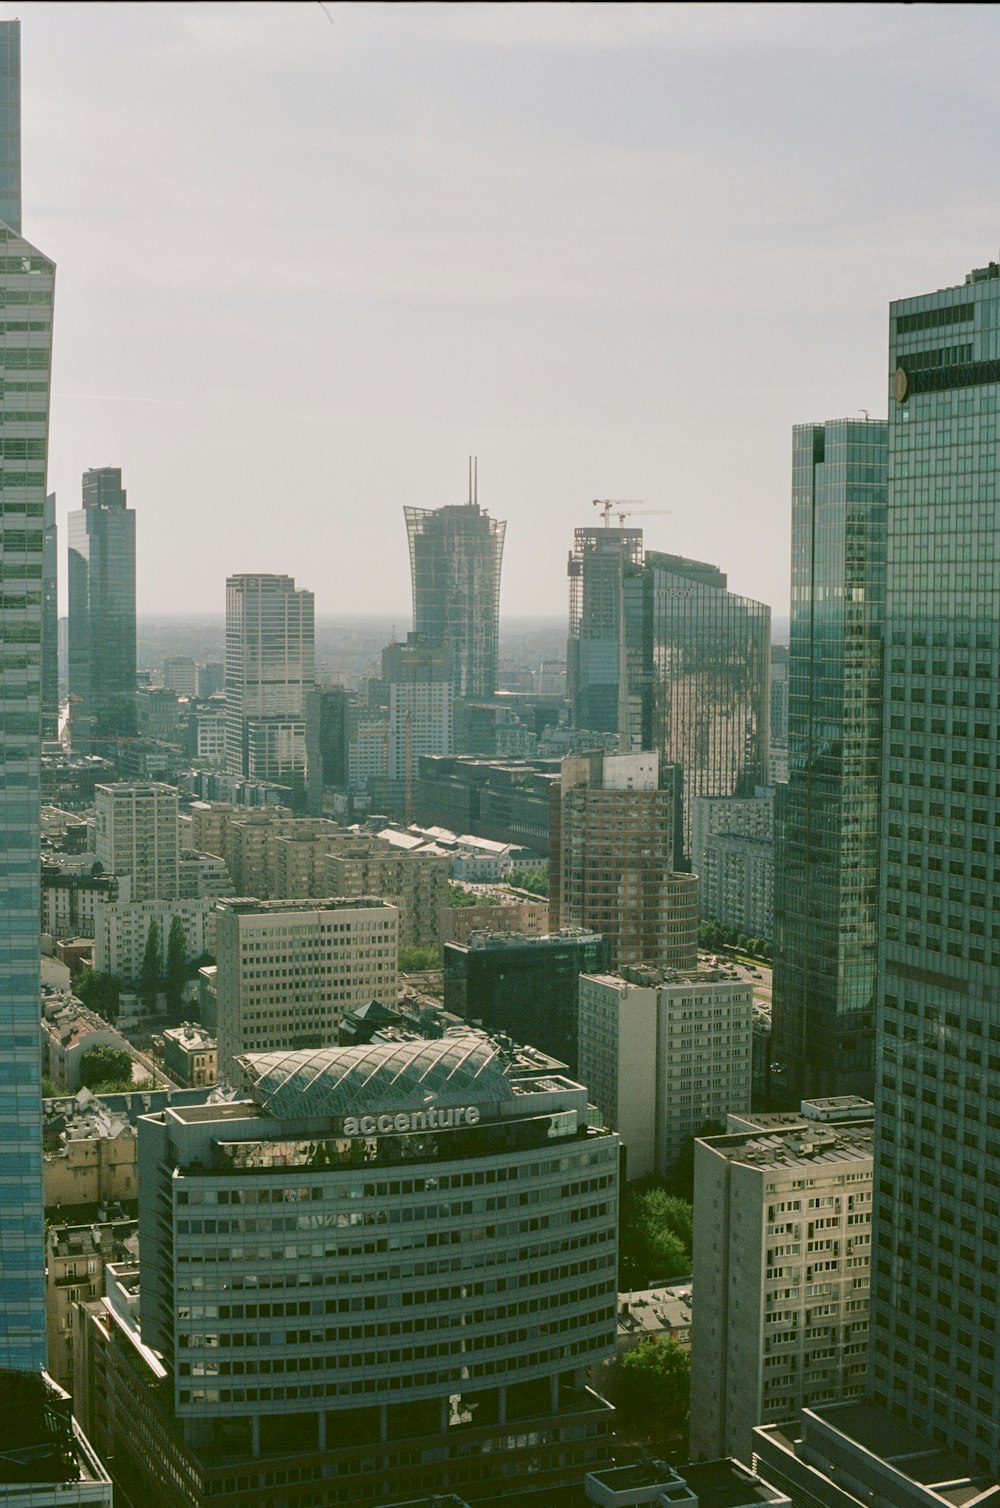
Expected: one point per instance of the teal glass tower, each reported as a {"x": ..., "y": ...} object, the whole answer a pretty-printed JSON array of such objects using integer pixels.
[
  {"x": 605, "y": 643},
  {"x": 27, "y": 280},
  {"x": 102, "y": 625},
  {"x": 936, "y": 1260},
  {"x": 827, "y": 816}
]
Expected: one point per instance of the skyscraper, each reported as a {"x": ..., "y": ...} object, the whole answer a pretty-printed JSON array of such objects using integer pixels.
[
  {"x": 936, "y": 1274},
  {"x": 270, "y": 667},
  {"x": 455, "y": 558},
  {"x": 50, "y": 621},
  {"x": 604, "y": 650},
  {"x": 27, "y": 280},
  {"x": 706, "y": 702},
  {"x": 101, "y": 582},
  {"x": 826, "y": 898}
]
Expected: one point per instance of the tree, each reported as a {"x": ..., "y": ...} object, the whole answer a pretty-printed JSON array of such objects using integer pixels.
[
  {"x": 655, "y": 1236},
  {"x": 459, "y": 897},
  {"x": 418, "y": 960},
  {"x": 100, "y": 992},
  {"x": 106, "y": 1068},
  {"x": 149, "y": 978},
  {"x": 176, "y": 970},
  {"x": 534, "y": 879},
  {"x": 651, "y": 1388}
]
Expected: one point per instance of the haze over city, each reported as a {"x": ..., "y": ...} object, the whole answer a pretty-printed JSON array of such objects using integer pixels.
[{"x": 312, "y": 257}]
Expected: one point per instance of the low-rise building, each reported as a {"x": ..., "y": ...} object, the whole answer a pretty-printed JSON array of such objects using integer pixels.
[
  {"x": 122, "y": 928},
  {"x": 524, "y": 986},
  {"x": 527, "y": 918},
  {"x": 70, "y": 892},
  {"x": 190, "y": 1055},
  {"x": 288, "y": 970},
  {"x": 655, "y": 1314},
  {"x": 857, "y": 1454},
  {"x": 782, "y": 1257},
  {"x": 202, "y": 876},
  {"x": 662, "y": 1053},
  {"x": 75, "y": 1257},
  {"x": 89, "y": 1156},
  {"x": 69, "y": 1030},
  {"x": 415, "y": 882}
]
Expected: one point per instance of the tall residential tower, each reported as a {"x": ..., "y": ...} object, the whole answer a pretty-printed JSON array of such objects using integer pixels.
[
  {"x": 826, "y": 895},
  {"x": 270, "y": 668}
]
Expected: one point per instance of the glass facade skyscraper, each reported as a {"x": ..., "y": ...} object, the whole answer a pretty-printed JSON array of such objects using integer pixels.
[
  {"x": 827, "y": 838},
  {"x": 455, "y": 558},
  {"x": 936, "y": 1268},
  {"x": 706, "y": 698},
  {"x": 102, "y": 628},
  {"x": 605, "y": 646},
  {"x": 50, "y": 621},
  {"x": 27, "y": 281}
]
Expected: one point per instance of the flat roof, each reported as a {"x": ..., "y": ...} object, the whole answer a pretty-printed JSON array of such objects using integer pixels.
[{"x": 807, "y": 1145}]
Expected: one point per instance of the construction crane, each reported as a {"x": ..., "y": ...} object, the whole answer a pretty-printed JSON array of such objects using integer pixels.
[{"x": 623, "y": 507}]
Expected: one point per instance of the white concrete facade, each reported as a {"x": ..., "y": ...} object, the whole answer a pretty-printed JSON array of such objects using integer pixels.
[
  {"x": 661, "y": 1054},
  {"x": 782, "y": 1255}
]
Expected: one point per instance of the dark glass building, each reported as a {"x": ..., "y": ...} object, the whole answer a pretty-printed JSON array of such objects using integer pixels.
[
  {"x": 525, "y": 986},
  {"x": 827, "y": 838},
  {"x": 706, "y": 698},
  {"x": 27, "y": 283},
  {"x": 455, "y": 559},
  {"x": 936, "y": 1264},
  {"x": 327, "y": 743},
  {"x": 604, "y": 648},
  {"x": 101, "y": 582}
]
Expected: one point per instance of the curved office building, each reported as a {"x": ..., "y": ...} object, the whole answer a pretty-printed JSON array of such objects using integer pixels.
[{"x": 392, "y": 1262}]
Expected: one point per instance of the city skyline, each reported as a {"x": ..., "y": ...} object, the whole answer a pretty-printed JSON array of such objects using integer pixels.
[{"x": 543, "y": 243}]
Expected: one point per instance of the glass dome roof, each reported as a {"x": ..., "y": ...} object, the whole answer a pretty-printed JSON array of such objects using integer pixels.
[{"x": 463, "y": 1068}]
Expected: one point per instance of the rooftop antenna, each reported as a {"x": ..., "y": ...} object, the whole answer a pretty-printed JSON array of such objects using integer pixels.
[
  {"x": 865, "y": 411},
  {"x": 475, "y": 482},
  {"x": 470, "y": 480}
]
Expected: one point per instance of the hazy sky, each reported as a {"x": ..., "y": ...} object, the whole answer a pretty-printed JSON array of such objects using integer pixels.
[{"x": 308, "y": 262}]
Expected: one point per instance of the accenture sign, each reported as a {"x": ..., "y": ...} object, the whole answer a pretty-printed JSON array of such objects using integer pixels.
[{"x": 401, "y": 1121}]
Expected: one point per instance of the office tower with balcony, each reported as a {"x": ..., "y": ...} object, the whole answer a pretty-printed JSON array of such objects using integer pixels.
[
  {"x": 137, "y": 838},
  {"x": 827, "y": 849},
  {"x": 604, "y": 652},
  {"x": 614, "y": 844},
  {"x": 270, "y": 668},
  {"x": 27, "y": 281},
  {"x": 455, "y": 557},
  {"x": 936, "y": 1276},
  {"x": 102, "y": 627},
  {"x": 706, "y": 701}
]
